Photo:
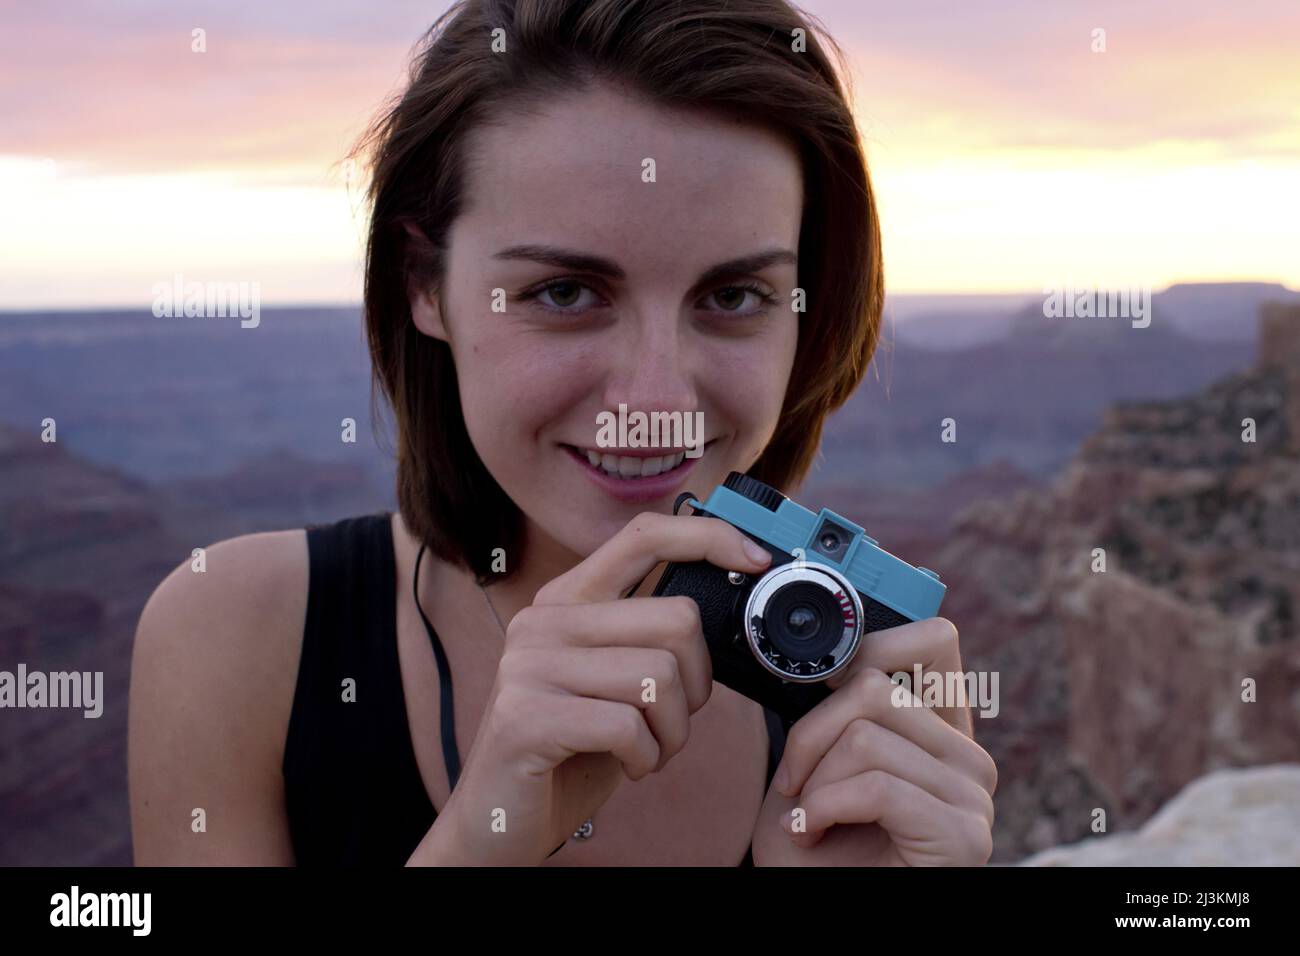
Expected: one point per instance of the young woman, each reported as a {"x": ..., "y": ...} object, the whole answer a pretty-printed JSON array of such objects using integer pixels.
[{"x": 577, "y": 205}]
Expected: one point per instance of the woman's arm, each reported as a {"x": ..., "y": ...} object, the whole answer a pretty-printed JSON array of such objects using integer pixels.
[{"x": 212, "y": 681}]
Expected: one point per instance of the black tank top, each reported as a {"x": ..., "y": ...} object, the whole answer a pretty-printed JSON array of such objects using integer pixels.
[{"x": 353, "y": 791}]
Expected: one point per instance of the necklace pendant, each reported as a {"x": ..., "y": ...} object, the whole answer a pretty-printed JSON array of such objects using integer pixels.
[{"x": 584, "y": 832}]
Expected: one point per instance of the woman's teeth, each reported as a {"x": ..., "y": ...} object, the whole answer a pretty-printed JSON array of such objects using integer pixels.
[{"x": 625, "y": 466}]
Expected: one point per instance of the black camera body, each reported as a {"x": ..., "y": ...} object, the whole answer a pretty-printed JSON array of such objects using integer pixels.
[{"x": 778, "y": 635}]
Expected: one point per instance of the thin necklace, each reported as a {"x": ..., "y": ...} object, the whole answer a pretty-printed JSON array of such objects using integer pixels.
[
  {"x": 494, "y": 611},
  {"x": 586, "y": 831}
]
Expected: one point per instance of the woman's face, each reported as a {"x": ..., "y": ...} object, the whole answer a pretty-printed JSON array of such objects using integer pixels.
[{"x": 647, "y": 321}]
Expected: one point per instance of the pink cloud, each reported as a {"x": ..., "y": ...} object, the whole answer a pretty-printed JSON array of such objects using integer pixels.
[{"x": 292, "y": 84}]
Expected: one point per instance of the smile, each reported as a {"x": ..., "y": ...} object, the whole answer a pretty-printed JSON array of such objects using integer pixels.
[
  {"x": 629, "y": 466},
  {"x": 634, "y": 479}
]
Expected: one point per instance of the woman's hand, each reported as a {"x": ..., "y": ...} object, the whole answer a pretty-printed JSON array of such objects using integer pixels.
[
  {"x": 880, "y": 784},
  {"x": 570, "y": 712}
]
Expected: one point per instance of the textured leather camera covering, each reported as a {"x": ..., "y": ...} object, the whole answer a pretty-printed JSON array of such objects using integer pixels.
[{"x": 878, "y": 617}]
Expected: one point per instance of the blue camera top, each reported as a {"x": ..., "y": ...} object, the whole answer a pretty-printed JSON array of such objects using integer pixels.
[{"x": 764, "y": 513}]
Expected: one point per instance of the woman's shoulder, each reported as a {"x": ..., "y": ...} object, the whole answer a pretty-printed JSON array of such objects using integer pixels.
[
  {"x": 239, "y": 606},
  {"x": 258, "y": 580},
  {"x": 253, "y": 579},
  {"x": 212, "y": 680},
  {"x": 223, "y": 630}
]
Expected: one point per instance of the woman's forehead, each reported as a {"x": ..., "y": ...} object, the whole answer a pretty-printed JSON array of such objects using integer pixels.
[{"x": 604, "y": 170}]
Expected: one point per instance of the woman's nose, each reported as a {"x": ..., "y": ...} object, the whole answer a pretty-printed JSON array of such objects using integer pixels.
[{"x": 653, "y": 374}]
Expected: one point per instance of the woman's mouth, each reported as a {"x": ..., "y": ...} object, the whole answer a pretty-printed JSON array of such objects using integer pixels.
[
  {"x": 628, "y": 466},
  {"x": 632, "y": 478}
]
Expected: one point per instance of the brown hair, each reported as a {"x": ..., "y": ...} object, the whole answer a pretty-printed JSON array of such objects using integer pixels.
[{"x": 727, "y": 58}]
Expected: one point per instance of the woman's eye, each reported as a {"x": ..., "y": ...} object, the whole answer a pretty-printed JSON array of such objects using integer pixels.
[
  {"x": 732, "y": 299},
  {"x": 569, "y": 295},
  {"x": 565, "y": 295}
]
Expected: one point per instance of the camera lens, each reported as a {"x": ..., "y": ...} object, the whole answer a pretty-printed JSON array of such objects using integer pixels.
[{"x": 803, "y": 621}]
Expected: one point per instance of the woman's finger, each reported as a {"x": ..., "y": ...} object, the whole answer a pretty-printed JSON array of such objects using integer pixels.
[
  {"x": 870, "y": 694},
  {"x": 918, "y": 822},
  {"x": 666, "y": 623},
  {"x": 932, "y": 643},
  {"x": 645, "y": 542},
  {"x": 645, "y": 678},
  {"x": 557, "y": 726},
  {"x": 866, "y": 745}
]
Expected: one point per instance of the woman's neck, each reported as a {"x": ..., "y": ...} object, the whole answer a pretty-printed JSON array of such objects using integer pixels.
[{"x": 543, "y": 560}]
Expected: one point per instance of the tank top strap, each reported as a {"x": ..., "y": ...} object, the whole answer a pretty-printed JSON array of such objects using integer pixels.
[{"x": 353, "y": 793}]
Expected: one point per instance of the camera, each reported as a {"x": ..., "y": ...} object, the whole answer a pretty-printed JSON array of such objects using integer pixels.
[{"x": 777, "y": 636}]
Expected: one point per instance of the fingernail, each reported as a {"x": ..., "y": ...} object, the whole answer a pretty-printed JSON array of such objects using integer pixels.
[
  {"x": 782, "y": 779},
  {"x": 757, "y": 552}
]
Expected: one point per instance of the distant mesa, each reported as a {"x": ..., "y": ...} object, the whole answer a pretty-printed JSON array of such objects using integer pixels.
[{"x": 1209, "y": 311}]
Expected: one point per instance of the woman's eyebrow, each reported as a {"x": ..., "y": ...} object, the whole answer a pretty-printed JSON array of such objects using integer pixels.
[
  {"x": 745, "y": 265},
  {"x": 597, "y": 265}
]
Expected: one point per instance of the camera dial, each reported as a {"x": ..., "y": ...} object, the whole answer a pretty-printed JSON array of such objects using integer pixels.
[{"x": 803, "y": 621}]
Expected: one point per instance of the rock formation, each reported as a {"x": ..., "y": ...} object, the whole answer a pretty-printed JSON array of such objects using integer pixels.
[
  {"x": 1245, "y": 817},
  {"x": 1182, "y": 657}
]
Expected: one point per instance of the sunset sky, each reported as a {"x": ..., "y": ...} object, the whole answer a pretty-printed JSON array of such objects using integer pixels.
[{"x": 1007, "y": 155}]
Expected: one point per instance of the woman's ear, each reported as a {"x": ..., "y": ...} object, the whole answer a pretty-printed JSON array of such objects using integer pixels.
[{"x": 426, "y": 311}]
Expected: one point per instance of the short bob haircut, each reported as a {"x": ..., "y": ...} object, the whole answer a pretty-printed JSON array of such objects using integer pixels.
[{"x": 762, "y": 60}]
